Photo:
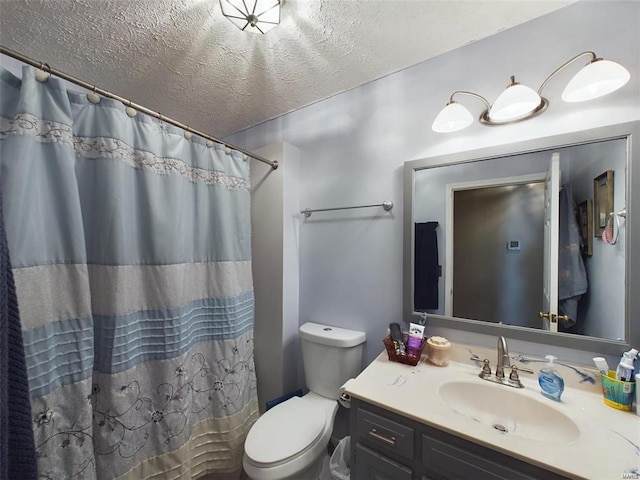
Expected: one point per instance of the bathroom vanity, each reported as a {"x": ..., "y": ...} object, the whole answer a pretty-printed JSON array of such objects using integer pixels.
[
  {"x": 391, "y": 446},
  {"x": 428, "y": 422}
]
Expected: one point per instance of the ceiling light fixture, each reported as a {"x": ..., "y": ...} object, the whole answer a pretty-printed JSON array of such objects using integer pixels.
[
  {"x": 518, "y": 102},
  {"x": 260, "y": 15}
]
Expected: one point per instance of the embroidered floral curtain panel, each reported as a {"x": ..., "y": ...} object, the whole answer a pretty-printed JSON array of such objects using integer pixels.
[{"x": 131, "y": 251}]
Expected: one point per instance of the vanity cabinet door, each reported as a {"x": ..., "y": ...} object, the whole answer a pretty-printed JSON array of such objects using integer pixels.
[
  {"x": 457, "y": 459},
  {"x": 384, "y": 434},
  {"x": 371, "y": 465}
]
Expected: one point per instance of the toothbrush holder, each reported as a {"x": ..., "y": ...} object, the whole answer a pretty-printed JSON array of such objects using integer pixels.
[{"x": 616, "y": 393}]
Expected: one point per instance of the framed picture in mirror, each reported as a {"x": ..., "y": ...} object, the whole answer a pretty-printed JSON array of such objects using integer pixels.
[
  {"x": 602, "y": 201},
  {"x": 585, "y": 221}
]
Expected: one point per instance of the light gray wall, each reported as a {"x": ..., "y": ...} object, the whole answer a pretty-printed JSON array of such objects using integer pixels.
[
  {"x": 290, "y": 266},
  {"x": 353, "y": 147},
  {"x": 267, "y": 238},
  {"x": 602, "y": 306},
  {"x": 274, "y": 205}
]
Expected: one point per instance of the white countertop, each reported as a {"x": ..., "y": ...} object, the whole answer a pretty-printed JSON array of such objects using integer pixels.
[{"x": 608, "y": 446}]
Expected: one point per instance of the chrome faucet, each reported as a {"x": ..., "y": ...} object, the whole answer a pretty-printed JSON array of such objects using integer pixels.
[
  {"x": 503, "y": 357},
  {"x": 503, "y": 361}
]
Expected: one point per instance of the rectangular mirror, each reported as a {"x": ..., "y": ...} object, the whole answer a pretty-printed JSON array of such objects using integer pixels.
[{"x": 497, "y": 241}]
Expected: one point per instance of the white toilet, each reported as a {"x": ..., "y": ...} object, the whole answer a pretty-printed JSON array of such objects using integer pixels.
[{"x": 290, "y": 440}]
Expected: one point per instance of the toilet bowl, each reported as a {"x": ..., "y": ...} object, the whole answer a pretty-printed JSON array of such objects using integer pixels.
[{"x": 290, "y": 440}]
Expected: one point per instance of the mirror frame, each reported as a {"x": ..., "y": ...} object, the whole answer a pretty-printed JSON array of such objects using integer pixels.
[{"x": 629, "y": 131}]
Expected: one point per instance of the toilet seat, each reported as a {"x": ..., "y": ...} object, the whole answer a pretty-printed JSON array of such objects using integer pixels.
[{"x": 298, "y": 425}]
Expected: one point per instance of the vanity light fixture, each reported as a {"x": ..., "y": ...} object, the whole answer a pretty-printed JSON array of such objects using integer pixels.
[
  {"x": 259, "y": 16},
  {"x": 518, "y": 102}
]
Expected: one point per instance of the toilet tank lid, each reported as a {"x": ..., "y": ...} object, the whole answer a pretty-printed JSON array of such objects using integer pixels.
[{"x": 332, "y": 336}]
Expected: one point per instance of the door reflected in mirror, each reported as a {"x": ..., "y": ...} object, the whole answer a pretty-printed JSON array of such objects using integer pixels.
[
  {"x": 510, "y": 240},
  {"x": 497, "y": 238}
]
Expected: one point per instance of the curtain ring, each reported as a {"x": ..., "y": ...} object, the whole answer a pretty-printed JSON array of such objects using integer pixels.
[
  {"x": 132, "y": 112},
  {"x": 41, "y": 74},
  {"x": 93, "y": 96}
]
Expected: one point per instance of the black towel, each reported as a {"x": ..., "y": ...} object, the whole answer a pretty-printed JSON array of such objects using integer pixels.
[
  {"x": 427, "y": 272},
  {"x": 17, "y": 449}
]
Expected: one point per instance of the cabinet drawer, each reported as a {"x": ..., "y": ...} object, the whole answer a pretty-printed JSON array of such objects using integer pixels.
[
  {"x": 385, "y": 434},
  {"x": 371, "y": 465}
]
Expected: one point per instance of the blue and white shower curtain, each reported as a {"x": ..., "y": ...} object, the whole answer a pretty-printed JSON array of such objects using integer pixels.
[{"x": 131, "y": 251}]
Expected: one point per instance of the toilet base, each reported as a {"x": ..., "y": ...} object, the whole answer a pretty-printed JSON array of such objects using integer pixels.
[
  {"x": 306, "y": 466},
  {"x": 312, "y": 472}
]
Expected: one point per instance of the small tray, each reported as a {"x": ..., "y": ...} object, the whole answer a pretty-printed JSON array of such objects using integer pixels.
[{"x": 406, "y": 359}]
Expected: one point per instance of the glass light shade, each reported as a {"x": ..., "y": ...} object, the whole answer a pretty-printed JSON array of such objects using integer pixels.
[
  {"x": 256, "y": 16},
  {"x": 452, "y": 118},
  {"x": 515, "y": 102},
  {"x": 594, "y": 80}
]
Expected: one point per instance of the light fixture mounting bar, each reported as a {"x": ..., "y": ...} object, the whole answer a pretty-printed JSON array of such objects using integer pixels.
[
  {"x": 471, "y": 94},
  {"x": 563, "y": 66}
]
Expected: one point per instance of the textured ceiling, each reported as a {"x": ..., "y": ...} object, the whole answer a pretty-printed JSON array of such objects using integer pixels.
[{"x": 185, "y": 60}]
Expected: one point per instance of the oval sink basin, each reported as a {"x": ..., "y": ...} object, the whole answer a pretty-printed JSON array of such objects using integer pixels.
[{"x": 504, "y": 409}]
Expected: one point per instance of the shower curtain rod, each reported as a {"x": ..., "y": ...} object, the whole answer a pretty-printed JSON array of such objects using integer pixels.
[{"x": 45, "y": 67}]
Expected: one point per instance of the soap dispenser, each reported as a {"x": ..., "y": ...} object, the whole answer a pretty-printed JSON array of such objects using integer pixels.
[{"x": 551, "y": 383}]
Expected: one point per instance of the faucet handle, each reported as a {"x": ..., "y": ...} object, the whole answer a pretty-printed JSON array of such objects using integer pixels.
[
  {"x": 521, "y": 369},
  {"x": 513, "y": 376},
  {"x": 486, "y": 369}
]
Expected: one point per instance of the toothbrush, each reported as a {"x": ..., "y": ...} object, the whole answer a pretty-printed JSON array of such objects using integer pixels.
[{"x": 601, "y": 364}]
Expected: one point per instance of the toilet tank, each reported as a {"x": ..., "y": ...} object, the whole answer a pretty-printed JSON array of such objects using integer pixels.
[{"x": 330, "y": 356}]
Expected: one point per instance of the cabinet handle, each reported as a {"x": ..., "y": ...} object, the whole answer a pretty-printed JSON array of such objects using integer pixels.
[{"x": 376, "y": 435}]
